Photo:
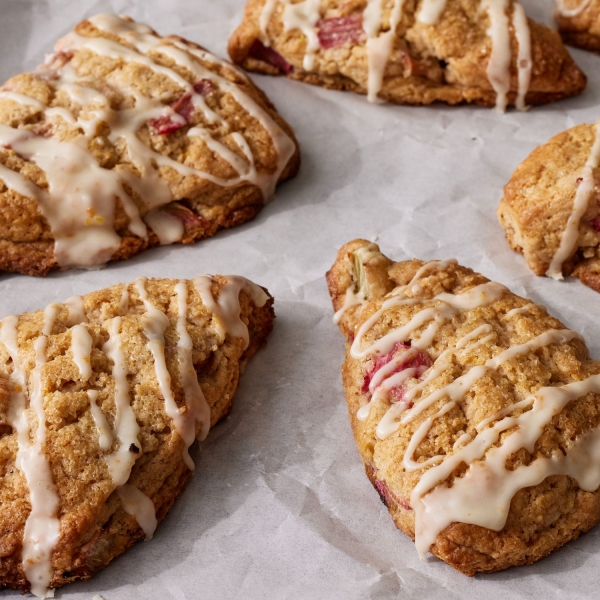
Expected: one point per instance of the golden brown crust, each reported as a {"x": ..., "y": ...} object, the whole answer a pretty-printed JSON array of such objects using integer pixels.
[
  {"x": 538, "y": 201},
  {"x": 446, "y": 62},
  {"x": 542, "y": 517},
  {"x": 94, "y": 527},
  {"x": 202, "y": 206},
  {"x": 581, "y": 29}
]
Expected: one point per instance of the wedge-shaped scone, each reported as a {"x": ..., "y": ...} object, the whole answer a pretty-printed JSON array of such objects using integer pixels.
[
  {"x": 410, "y": 51},
  {"x": 124, "y": 140},
  {"x": 579, "y": 23},
  {"x": 477, "y": 414},
  {"x": 551, "y": 206},
  {"x": 100, "y": 400}
]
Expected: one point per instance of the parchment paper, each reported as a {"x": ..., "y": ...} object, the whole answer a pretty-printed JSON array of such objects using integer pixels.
[{"x": 280, "y": 506}]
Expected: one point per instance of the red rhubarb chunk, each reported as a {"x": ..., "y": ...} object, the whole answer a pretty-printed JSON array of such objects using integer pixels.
[
  {"x": 190, "y": 219},
  {"x": 388, "y": 497},
  {"x": 164, "y": 125},
  {"x": 261, "y": 52},
  {"x": 204, "y": 87},
  {"x": 184, "y": 107},
  {"x": 339, "y": 30},
  {"x": 595, "y": 223},
  {"x": 419, "y": 361}
]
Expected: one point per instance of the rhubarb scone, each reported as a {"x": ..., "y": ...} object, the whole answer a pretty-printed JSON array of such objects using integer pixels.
[
  {"x": 100, "y": 399},
  {"x": 123, "y": 140},
  {"x": 485, "y": 52},
  {"x": 476, "y": 413},
  {"x": 551, "y": 207},
  {"x": 579, "y": 23}
]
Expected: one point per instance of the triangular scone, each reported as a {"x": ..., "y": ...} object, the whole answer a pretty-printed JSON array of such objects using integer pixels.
[
  {"x": 100, "y": 399},
  {"x": 550, "y": 210},
  {"x": 477, "y": 414},
  {"x": 411, "y": 52},
  {"x": 123, "y": 140},
  {"x": 579, "y": 23}
]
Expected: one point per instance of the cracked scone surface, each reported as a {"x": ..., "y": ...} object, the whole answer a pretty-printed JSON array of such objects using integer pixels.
[
  {"x": 143, "y": 441},
  {"x": 445, "y": 59},
  {"x": 550, "y": 209},
  {"x": 139, "y": 140},
  {"x": 579, "y": 23},
  {"x": 448, "y": 420}
]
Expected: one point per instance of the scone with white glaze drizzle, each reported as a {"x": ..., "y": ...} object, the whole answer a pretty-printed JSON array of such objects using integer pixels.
[
  {"x": 100, "y": 399},
  {"x": 551, "y": 206},
  {"x": 579, "y": 23},
  {"x": 476, "y": 413},
  {"x": 123, "y": 140},
  {"x": 485, "y": 52}
]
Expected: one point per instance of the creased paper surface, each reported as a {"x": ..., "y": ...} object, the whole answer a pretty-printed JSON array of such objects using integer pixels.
[{"x": 279, "y": 506}]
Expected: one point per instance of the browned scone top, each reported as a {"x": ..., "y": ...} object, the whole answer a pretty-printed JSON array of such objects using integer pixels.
[
  {"x": 410, "y": 52},
  {"x": 579, "y": 23},
  {"x": 476, "y": 413},
  {"x": 123, "y": 140},
  {"x": 551, "y": 207},
  {"x": 122, "y": 381}
]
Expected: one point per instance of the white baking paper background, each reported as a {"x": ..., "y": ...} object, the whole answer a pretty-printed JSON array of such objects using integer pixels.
[{"x": 280, "y": 506}]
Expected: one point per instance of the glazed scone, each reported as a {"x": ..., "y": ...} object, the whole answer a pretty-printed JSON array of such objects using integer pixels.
[
  {"x": 485, "y": 52},
  {"x": 551, "y": 207},
  {"x": 579, "y": 23},
  {"x": 100, "y": 400},
  {"x": 477, "y": 414},
  {"x": 123, "y": 140}
]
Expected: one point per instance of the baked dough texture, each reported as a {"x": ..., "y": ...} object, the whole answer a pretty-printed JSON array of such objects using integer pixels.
[
  {"x": 467, "y": 404},
  {"x": 411, "y": 52},
  {"x": 579, "y": 23},
  {"x": 124, "y": 140},
  {"x": 539, "y": 210},
  {"x": 100, "y": 398}
]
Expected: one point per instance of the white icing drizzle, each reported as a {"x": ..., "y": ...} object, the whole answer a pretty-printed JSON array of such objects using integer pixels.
[
  {"x": 426, "y": 268},
  {"x": 105, "y": 434},
  {"x": 42, "y": 528},
  {"x": 571, "y": 12},
  {"x": 197, "y": 409},
  {"x": 81, "y": 346},
  {"x": 21, "y": 99},
  {"x": 80, "y": 201},
  {"x": 351, "y": 299},
  {"x": 483, "y": 495},
  {"x": 379, "y": 45},
  {"x": 139, "y": 506},
  {"x": 585, "y": 189},
  {"x": 155, "y": 323},
  {"x": 304, "y": 16},
  {"x": 121, "y": 461},
  {"x": 167, "y": 227},
  {"x": 431, "y": 11},
  {"x": 449, "y": 305},
  {"x": 458, "y": 388},
  {"x": 76, "y": 314},
  {"x": 226, "y": 311},
  {"x": 524, "y": 60},
  {"x": 520, "y": 310},
  {"x": 498, "y": 70},
  {"x": 79, "y": 204},
  {"x": 124, "y": 302}
]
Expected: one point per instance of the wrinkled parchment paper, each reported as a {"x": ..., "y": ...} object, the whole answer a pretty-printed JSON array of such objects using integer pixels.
[{"x": 280, "y": 506}]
